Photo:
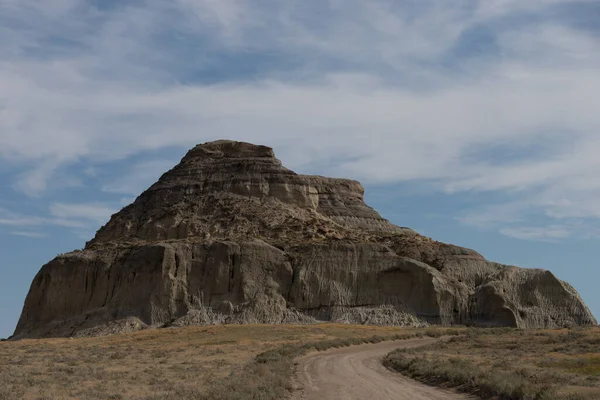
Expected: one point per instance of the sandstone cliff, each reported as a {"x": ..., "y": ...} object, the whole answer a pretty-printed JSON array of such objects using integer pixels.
[{"x": 229, "y": 235}]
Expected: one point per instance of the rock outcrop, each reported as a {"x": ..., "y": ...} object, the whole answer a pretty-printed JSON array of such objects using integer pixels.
[{"x": 229, "y": 235}]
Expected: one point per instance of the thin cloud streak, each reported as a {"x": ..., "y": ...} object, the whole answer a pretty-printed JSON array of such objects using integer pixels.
[
  {"x": 551, "y": 233},
  {"x": 33, "y": 235},
  {"x": 84, "y": 216}
]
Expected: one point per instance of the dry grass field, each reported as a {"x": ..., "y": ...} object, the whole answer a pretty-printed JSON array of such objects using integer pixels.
[
  {"x": 173, "y": 363},
  {"x": 238, "y": 362},
  {"x": 511, "y": 364}
]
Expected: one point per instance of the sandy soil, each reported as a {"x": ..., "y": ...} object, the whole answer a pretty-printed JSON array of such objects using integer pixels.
[{"x": 356, "y": 372}]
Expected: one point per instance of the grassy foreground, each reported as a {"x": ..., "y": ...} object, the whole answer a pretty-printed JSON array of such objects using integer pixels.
[
  {"x": 510, "y": 364},
  {"x": 224, "y": 362}
]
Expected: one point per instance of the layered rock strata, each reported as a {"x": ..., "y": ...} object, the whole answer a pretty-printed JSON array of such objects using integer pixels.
[{"x": 229, "y": 235}]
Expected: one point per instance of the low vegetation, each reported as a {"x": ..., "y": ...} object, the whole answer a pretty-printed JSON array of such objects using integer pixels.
[
  {"x": 212, "y": 362},
  {"x": 269, "y": 375},
  {"x": 510, "y": 364},
  {"x": 233, "y": 362}
]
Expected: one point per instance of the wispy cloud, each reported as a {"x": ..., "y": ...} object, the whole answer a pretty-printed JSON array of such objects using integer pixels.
[
  {"x": 491, "y": 216},
  {"x": 550, "y": 233},
  {"x": 442, "y": 92},
  {"x": 94, "y": 212},
  {"x": 29, "y": 234},
  {"x": 84, "y": 216},
  {"x": 22, "y": 221}
]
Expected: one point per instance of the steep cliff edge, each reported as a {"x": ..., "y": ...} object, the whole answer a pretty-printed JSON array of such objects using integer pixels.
[{"x": 229, "y": 235}]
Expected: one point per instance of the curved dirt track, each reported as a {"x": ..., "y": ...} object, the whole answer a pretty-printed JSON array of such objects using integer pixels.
[{"x": 356, "y": 372}]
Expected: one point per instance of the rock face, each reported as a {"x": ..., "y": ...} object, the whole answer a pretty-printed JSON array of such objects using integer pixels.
[{"x": 231, "y": 236}]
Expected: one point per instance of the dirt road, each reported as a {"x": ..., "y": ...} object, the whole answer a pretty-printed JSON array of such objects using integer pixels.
[{"x": 356, "y": 372}]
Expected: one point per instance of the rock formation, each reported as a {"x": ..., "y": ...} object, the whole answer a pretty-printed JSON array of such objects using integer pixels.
[{"x": 229, "y": 235}]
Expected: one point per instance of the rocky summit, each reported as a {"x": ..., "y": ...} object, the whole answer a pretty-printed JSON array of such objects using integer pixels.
[{"x": 229, "y": 235}]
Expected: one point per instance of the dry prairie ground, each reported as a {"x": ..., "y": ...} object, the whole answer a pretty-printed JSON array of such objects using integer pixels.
[
  {"x": 510, "y": 364},
  {"x": 177, "y": 363},
  {"x": 238, "y": 362}
]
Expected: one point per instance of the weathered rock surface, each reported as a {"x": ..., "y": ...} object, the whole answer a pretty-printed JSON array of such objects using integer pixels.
[{"x": 231, "y": 236}]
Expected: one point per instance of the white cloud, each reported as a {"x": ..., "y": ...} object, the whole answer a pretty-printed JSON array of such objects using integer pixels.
[
  {"x": 549, "y": 233},
  {"x": 492, "y": 216},
  {"x": 94, "y": 212},
  {"x": 367, "y": 96},
  {"x": 35, "y": 235},
  {"x": 10, "y": 218},
  {"x": 82, "y": 216},
  {"x": 496, "y": 8},
  {"x": 228, "y": 17},
  {"x": 22, "y": 221}
]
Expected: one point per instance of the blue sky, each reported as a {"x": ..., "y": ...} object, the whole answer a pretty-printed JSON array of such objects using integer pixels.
[{"x": 473, "y": 121}]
